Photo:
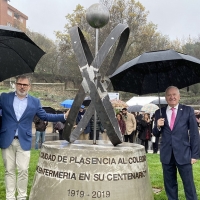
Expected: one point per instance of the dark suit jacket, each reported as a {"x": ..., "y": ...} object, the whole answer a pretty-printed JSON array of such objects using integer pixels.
[
  {"x": 10, "y": 123},
  {"x": 183, "y": 139}
]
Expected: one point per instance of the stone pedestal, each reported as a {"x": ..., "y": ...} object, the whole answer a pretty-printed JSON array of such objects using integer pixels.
[{"x": 82, "y": 170}]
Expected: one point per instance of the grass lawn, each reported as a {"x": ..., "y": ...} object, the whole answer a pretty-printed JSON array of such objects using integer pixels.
[{"x": 154, "y": 169}]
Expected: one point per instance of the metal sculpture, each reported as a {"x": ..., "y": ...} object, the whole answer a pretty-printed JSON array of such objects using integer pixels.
[
  {"x": 89, "y": 68},
  {"x": 97, "y": 15}
]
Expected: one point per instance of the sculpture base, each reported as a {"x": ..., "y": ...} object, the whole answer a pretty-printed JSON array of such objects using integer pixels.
[{"x": 81, "y": 170}]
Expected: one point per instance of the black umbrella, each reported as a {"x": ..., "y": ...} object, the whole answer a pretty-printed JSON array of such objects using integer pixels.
[
  {"x": 18, "y": 53},
  {"x": 154, "y": 71},
  {"x": 59, "y": 112},
  {"x": 134, "y": 108},
  {"x": 49, "y": 109}
]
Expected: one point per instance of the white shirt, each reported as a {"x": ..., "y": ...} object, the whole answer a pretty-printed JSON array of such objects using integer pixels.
[
  {"x": 169, "y": 112},
  {"x": 19, "y": 107}
]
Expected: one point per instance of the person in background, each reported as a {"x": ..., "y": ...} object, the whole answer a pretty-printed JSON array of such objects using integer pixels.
[
  {"x": 179, "y": 146},
  {"x": 146, "y": 130},
  {"x": 121, "y": 123},
  {"x": 130, "y": 126},
  {"x": 134, "y": 113},
  {"x": 85, "y": 134},
  {"x": 59, "y": 126},
  {"x": 18, "y": 111},
  {"x": 139, "y": 116},
  {"x": 197, "y": 115},
  {"x": 40, "y": 127},
  {"x": 138, "y": 119},
  {"x": 155, "y": 139},
  {"x": 99, "y": 128}
]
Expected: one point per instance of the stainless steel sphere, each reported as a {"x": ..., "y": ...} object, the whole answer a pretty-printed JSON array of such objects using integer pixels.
[{"x": 97, "y": 15}]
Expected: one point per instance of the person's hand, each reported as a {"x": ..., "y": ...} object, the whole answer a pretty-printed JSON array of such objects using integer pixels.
[
  {"x": 66, "y": 114},
  {"x": 74, "y": 126},
  {"x": 160, "y": 122},
  {"x": 193, "y": 161},
  {"x": 198, "y": 120}
]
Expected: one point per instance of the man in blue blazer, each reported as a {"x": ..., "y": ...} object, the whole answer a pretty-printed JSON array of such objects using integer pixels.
[
  {"x": 18, "y": 111},
  {"x": 179, "y": 147}
]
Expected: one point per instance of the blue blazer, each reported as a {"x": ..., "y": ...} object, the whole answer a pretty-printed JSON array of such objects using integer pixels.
[
  {"x": 10, "y": 123},
  {"x": 183, "y": 139}
]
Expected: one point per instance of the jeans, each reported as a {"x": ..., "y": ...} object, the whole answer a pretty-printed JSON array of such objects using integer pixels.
[{"x": 38, "y": 135}]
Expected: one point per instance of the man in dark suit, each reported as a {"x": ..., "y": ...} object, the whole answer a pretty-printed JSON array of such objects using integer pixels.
[
  {"x": 179, "y": 146},
  {"x": 18, "y": 111}
]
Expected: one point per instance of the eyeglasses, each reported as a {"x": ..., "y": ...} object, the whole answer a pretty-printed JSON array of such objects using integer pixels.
[{"x": 24, "y": 85}]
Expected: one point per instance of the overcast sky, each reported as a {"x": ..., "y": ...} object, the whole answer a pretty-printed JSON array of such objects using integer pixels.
[{"x": 175, "y": 18}]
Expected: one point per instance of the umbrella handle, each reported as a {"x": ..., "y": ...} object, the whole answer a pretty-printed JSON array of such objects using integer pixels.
[
  {"x": 158, "y": 94},
  {"x": 160, "y": 113},
  {"x": 159, "y": 105}
]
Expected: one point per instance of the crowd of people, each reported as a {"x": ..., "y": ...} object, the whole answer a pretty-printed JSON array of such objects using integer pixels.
[{"x": 136, "y": 127}]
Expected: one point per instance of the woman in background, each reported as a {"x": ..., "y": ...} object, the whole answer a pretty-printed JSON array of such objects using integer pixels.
[
  {"x": 121, "y": 123},
  {"x": 145, "y": 133}
]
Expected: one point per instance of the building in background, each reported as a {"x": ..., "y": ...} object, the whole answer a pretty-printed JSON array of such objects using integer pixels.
[{"x": 10, "y": 16}]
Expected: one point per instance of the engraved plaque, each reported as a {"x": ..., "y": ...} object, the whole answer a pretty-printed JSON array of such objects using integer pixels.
[{"x": 81, "y": 170}]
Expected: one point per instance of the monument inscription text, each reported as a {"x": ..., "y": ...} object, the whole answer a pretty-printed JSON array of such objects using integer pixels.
[{"x": 92, "y": 160}]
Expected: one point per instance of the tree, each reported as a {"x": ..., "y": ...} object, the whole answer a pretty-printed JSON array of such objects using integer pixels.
[
  {"x": 143, "y": 35},
  {"x": 66, "y": 51},
  {"x": 49, "y": 63},
  {"x": 195, "y": 88},
  {"x": 192, "y": 47}
]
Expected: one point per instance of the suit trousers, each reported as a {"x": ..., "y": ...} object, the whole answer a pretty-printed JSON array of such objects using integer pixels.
[
  {"x": 155, "y": 145},
  {"x": 131, "y": 138},
  {"x": 170, "y": 180},
  {"x": 145, "y": 143},
  {"x": 14, "y": 156}
]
